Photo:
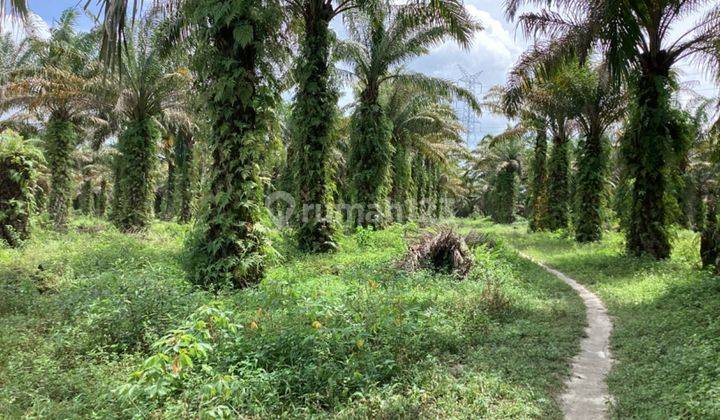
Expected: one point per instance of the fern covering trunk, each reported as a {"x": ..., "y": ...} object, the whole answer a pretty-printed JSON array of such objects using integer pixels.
[
  {"x": 60, "y": 139},
  {"x": 229, "y": 245},
  {"x": 370, "y": 160},
  {"x": 647, "y": 148},
  {"x": 504, "y": 193},
  {"x": 18, "y": 182},
  {"x": 184, "y": 167},
  {"x": 313, "y": 117},
  {"x": 558, "y": 184},
  {"x": 538, "y": 189},
  {"x": 133, "y": 195},
  {"x": 590, "y": 183}
]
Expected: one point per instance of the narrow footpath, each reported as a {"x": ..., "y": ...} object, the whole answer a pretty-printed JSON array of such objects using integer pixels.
[{"x": 586, "y": 395}]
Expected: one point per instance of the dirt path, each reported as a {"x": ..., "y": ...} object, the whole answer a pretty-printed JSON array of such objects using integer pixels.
[{"x": 586, "y": 395}]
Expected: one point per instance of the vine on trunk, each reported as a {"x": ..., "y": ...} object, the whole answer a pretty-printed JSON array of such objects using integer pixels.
[
  {"x": 653, "y": 141},
  {"x": 133, "y": 195},
  {"x": 558, "y": 184},
  {"x": 538, "y": 189},
  {"x": 313, "y": 118},
  {"x": 590, "y": 182},
  {"x": 19, "y": 162},
  {"x": 238, "y": 52},
  {"x": 60, "y": 140}
]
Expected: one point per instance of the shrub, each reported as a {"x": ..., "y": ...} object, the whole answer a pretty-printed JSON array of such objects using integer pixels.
[{"x": 19, "y": 162}]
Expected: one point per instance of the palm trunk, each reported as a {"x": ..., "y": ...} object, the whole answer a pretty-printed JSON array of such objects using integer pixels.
[
  {"x": 133, "y": 201},
  {"x": 419, "y": 179},
  {"x": 438, "y": 193},
  {"x": 101, "y": 202},
  {"x": 504, "y": 194},
  {"x": 61, "y": 139},
  {"x": 229, "y": 247},
  {"x": 15, "y": 195},
  {"x": 647, "y": 151},
  {"x": 169, "y": 199},
  {"x": 709, "y": 239},
  {"x": 592, "y": 167},
  {"x": 184, "y": 165},
  {"x": 87, "y": 201},
  {"x": 402, "y": 192},
  {"x": 558, "y": 184},
  {"x": 370, "y": 161},
  {"x": 313, "y": 118},
  {"x": 539, "y": 203}
]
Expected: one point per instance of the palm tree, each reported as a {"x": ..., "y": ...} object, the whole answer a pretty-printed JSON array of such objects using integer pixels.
[
  {"x": 635, "y": 40},
  {"x": 14, "y": 56},
  {"x": 425, "y": 125},
  {"x": 539, "y": 96},
  {"x": 703, "y": 165},
  {"x": 64, "y": 85},
  {"x": 153, "y": 92},
  {"x": 20, "y": 162},
  {"x": 514, "y": 101},
  {"x": 314, "y": 109},
  {"x": 183, "y": 153},
  {"x": 236, "y": 58},
  {"x": 539, "y": 206},
  {"x": 500, "y": 159},
  {"x": 601, "y": 103},
  {"x": 381, "y": 40},
  {"x": 313, "y": 117}
]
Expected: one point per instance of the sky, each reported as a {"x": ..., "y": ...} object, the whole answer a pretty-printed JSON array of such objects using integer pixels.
[{"x": 491, "y": 55}]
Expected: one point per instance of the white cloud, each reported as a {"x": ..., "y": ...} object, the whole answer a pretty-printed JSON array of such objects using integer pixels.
[
  {"x": 496, "y": 49},
  {"x": 492, "y": 53}
]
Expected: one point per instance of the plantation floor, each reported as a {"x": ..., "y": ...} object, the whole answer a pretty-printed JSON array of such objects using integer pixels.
[
  {"x": 586, "y": 396},
  {"x": 666, "y": 316},
  {"x": 345, "y": 335}
]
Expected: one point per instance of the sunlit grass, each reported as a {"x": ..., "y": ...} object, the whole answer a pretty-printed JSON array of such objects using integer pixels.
[
  {"x": 666, "y": 315},
  {"x": 341, "y": 335}
]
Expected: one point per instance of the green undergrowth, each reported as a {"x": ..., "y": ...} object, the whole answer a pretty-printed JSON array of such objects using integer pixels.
[
  {"x": 666, "y": 338},
  {"x": 101, "y": 324}
]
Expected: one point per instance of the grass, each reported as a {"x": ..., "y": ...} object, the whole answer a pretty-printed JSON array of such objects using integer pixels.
[
  {"x": 666, "y": 338},
  {"x": 97, "y": 324}
]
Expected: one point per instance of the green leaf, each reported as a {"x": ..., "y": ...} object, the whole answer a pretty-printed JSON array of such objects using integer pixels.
[{"x": 243, "y": 35}]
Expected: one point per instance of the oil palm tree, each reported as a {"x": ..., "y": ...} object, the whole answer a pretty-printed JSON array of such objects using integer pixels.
[
  {"x": 425, "y": 125},
  {"x": 539, "y": 95},
  {"x": 381, "y": 40},
  {"x": 514, "y": 102},
  {"x": 15, "y": 55},
  {"x": 63, "y": 88},
  {"x": 153, "y": 92},
  {"x": 602, "y": 103},
  {"x": 238, "y": 55},
  {"x": 635, "y": 40},
  {"x": 314, "y": 106},
  {"x": 236, "y": 62},
  {"x": 183, "y": 154},
  {"x": 500, "y": 159}
]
